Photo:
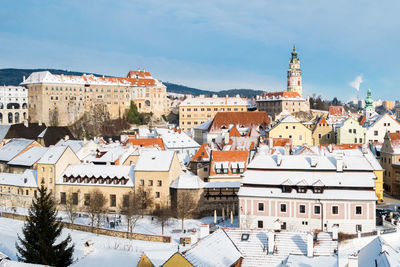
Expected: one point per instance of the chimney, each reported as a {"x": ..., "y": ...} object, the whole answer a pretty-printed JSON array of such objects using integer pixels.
[
  {"x": 66, "y": 138},
  {"x": 353, "y": 260},
  {"x": 335, "y": 232},
  {"x": 278, "y": 160},
  {"x": 310, "y": 245},
  {"x": 204, "y": 230},
  {"x": 339, "y": 163},
  {"x": 84, "y": 140},
  {"x": 364, "y": 149},
  {"x": 26, "y": 123},
  {"x": 40, "y": 123},
  {"x": 271, "y": 242}
]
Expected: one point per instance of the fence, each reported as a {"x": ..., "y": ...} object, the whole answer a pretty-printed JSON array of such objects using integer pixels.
[{"x": 100, "y": 231}]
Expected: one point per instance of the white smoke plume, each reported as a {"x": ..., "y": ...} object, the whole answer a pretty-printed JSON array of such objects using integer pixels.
[{"x": 356, "y": 83}]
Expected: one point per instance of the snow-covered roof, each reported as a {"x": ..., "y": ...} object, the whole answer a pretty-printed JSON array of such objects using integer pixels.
[
  {"x": 13, "y": 148},
  {"x": 204, "y": 126},
  {"x": 187, "y": 180},
  {"x": 155, "y": 161},
  {"x": 343, "y": 179},
  {"x": 3, "y": 131},
  {"x": 378, "y": 252},
  {"x": 303, "y": 162},
  {"x": 75, "y": 145},
  {"x": 99, "y": 171},
  {"x": 26, "y": 179},
  {"x": 173, "y": 139},
  {"x": 222, "y": 185},
  {"x": 52, "y": 155},
  {"x": 302, "y": 261},
  {"x": 213, "y": 101},
  {"x": 29, "y": 157},
  {"x": 215, "y": 249}
]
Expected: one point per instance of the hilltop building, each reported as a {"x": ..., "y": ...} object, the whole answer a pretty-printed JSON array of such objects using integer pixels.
[
  {"x": 63, "y": 99},
  {"x": 13, "y": 104},
  {"x": 198, "y": 110},
  {"x": 289, "y": 101}
]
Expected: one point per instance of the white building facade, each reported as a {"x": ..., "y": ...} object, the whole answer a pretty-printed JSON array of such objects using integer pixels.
[{"x": 13, "y": 104}]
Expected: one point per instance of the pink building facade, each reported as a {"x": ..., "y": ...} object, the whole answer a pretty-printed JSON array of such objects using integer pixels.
[{"x": 319, "y": 196}]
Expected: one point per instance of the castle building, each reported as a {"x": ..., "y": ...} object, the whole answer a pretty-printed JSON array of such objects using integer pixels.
[
  {"x": 63, "y": 99},
  {"x": 294, "y": 80},
  {"x": 289, "y": 101},
  {"x": 13, "y": 104}
]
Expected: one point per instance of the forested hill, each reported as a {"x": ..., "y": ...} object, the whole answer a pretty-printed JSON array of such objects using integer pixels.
[{"x": 14, "y": 77}]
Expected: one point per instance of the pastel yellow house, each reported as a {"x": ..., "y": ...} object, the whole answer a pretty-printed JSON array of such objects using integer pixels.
[
  {"x": 291, "y": 128},
  {"x": 155, "y": 171},
  {"x": 52, "y": 165},
  {"x": 322, "y": 133},
  {"x": 78, "y": 181},
  {"x": 18, "y": 189}
]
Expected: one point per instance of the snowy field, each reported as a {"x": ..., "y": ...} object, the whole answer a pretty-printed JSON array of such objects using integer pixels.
[{"x": 110, "y": 251}]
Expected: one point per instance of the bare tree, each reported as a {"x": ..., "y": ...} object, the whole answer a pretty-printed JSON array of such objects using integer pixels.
[
  {"x": 96, "y": 206},
  {"x": 163, "y": 215},
  {"x": 186, "y": 204},
  {"x": 71, "y": 205},
  {"x": 143, "y": 200}
]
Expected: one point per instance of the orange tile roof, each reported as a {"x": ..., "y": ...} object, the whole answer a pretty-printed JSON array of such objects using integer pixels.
[
  {"x": 394, "y": 136},
  {"x": 336, "y": 111},
  {"x": 281, "y": 142},
  {"x": 361, "y": 120},
  {"x": 203, "y": 154},
  {"x": 234, "y": 132},
  {"x": 228, "y": 156},
  {"x": 146, "y": 142},
  {"x": 245, "y": 119},
  {"x": 343, "y": 146},
  {"x": 283, "y": 94}
]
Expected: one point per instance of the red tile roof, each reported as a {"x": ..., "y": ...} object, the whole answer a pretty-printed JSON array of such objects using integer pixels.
[
  {"x": 234, "y": 132},
  {"x": 281, "y": 142},
  {"x": 245, "y": 119},
  {"x": 203, "y": 154},
  {"x": 283, "y": 94},
  {"x": 146, "y": 142},
  {"x": 230, "y": 157},
  {"x": 336, "y": 111}
]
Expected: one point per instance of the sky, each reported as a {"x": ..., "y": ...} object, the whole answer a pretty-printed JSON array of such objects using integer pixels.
[{"x": 213, "y": 44}]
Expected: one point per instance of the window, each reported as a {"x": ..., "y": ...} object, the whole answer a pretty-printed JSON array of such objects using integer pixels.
[
  {"x": 317, "y": 190},
  {"x": 125, "y": 201},
  {"x": 359, "y": 228},
  {"x": 335, "y": 210},
  {"x": 113, "y": 200},
  {"x": 301, "y": 189},
  {"x": 349, "y": 130},
  {"x": 141, "y": 182},
  {"x": 300, "y": 137},
  {"x": 302, "y": 208},
  {"x": 86, "y": 199},
  {"x": 294, "y": 127},
  {"x": 375, "y": 132},
  {"x": 319, "y": 136},
  {"x": 355, "y": 140},
  {"x": 74, "y": 198},
  {"x": 245, "y": 237},
  {"x": 260, "y": 206},
  {"x": 27, "y": 192},
  {"x": 157, "y": 194},
  {"x": 63, "y": 198},
  {"x": 283, "y": 207},
  {"x": 42, "y": 169},
  {"x": 283, "y": 226},
  {"x": 50, "y": 169},
  {"x": 358, "y": 210},
  {"x": 287, "y": 127},
  {"x": 317, "y": 209},
  {"x": 260, "y": 224},
  {"x": 290, "y": 136},
  {"x": 360, "y": 140},
  {"x": 150, "y": 182},
  {"x": 328, "y": 136},
  {"x": 354, "y": 131},
  {"x": 159, "y": 183},
  {"x": 286, "y": 189}
]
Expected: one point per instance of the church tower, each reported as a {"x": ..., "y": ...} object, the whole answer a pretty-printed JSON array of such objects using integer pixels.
[
  {"x": 294, "y": 81},
  {"x": 369, "y": 106}
]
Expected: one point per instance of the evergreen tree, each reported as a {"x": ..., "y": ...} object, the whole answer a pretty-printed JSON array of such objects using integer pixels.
[
  {"x": 41, "y": 231},
  {"x": 133, "y": 114}
]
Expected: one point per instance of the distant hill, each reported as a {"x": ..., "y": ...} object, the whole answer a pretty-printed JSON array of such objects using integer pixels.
[{"x": 15, "y": 76}]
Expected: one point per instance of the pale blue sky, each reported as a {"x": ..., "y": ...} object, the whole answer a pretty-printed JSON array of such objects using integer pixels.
[{"x": 212, "y": 44}]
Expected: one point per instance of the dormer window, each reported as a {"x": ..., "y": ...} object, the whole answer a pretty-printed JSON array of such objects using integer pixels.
[
  {"x": 301, "y": 189},
  {"x": 318, "y": 190},
  {"x": 286, "y": 189}
]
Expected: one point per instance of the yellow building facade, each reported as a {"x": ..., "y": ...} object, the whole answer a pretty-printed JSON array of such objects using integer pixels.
[
  {"x": 197, "y": 110},
  {"x": 290, "y": 128}
]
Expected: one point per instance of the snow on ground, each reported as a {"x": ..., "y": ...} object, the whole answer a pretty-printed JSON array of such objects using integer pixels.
[{"x": 108, "y": 250}]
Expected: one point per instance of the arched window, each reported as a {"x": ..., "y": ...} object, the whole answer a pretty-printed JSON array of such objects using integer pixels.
[
  {"x": 16, "y": 116},
  {"x": 24, "y": 115},
  {"x": 24, "y": 105},
  {"x": 1, "y": 105},
  {"x": 10, "y": 117}
]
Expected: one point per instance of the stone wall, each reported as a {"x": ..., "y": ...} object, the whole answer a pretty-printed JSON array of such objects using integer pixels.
[{"x": 100, "y": 231}]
